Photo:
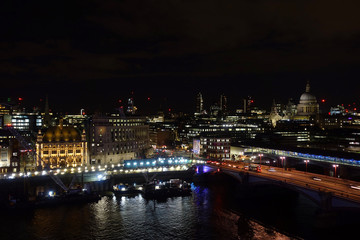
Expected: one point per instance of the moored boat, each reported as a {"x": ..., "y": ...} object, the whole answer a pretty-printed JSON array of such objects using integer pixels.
[
  {"x": 126, "y": 190},
  {"x": 162, "y": 190}
]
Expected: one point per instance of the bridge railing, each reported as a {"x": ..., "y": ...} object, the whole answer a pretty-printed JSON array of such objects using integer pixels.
[{"x": 314, "y": 157}]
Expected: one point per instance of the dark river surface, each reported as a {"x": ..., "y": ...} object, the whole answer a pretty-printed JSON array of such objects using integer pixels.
[
  {"x": 200, "y": 216},
  {"x": 219, "y": 210}
]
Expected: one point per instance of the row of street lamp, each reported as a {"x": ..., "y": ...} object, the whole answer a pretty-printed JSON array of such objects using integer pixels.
[
  {"x": 334, "y": 166},
  {"x": 305, "y": 161}
]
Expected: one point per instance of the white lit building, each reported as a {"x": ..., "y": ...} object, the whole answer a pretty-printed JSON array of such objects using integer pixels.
[{"x": 215, "y": 147}]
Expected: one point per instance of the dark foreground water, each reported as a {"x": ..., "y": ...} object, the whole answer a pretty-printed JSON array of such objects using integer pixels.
[{"x": 200, "y": 216}]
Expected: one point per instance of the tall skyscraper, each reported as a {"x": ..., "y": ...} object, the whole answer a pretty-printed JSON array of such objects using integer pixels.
[
  {"x": 131, "y": 107},
  {"x": 46, "y": 113},
  {"x": 223, "y": 103},
  {"x": 199, "y": 103},
  {"x": 248, "y": 102}
]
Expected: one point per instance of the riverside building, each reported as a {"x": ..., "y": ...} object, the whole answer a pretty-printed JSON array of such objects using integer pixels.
[{"x": 115, "y": 138}]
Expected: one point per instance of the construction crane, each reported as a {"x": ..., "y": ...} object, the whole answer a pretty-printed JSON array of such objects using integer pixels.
[{"x": 28, "y": 147}]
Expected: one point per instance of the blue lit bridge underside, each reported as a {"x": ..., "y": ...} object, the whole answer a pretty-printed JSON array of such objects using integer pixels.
[{"x": 313, "y": 157}]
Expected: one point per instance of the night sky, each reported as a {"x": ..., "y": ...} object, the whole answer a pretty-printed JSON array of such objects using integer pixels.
[{"x": 89, "y": 54}]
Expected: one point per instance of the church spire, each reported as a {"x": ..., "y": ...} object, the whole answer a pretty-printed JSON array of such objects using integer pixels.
[
  {"x": 307, "y": 87},
  {"x": 47, "y": 114}
]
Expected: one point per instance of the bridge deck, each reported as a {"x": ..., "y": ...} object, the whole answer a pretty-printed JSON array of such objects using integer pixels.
[{"x": 341, "y": 188}]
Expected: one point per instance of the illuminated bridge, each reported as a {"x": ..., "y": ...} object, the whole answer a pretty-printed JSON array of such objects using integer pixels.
[{"x": 332, "y": 157}]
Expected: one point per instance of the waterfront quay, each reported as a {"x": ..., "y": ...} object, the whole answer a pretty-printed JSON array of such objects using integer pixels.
[{"x": 100, "y": 178}]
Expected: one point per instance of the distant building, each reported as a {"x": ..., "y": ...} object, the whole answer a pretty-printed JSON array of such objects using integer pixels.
[
  {"x": 79, "y": 121},
  {"x": 30, "y": 122},
  {"x": 5, "y": 113},
  {"x": 215, "y": 109},
  {"x": 163, "y": 134},
  {"x": 215, "y": 147},
  {"x": 131, "y": 106},
  {"x": 275, "y": 113},
  {"x": 61, "y": 146},
  {"x": 291, "y": 109},
  {"x": 236, "y": 129},
  {"x": 223, "y": 104},
  {"x": 9, "y": 153},
  {"x": 199, "y": 104},
  {"x": 247, "y": 104},
  {"x": 5, "y": 109},
  {"x": 114, "y": 139}
]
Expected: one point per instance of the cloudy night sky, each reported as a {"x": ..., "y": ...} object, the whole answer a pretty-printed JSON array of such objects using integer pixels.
[{"x": 90, "y": 54}]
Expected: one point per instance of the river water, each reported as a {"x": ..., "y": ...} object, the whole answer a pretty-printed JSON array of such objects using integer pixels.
[{"x": 200, "y": 216}]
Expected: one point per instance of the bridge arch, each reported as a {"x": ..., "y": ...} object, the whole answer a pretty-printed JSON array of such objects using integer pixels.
[
  {"x": 259, "y": 181},
  {"x": 323, "y": 200}
]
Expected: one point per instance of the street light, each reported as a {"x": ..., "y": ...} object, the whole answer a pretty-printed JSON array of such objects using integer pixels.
[
  {"x": 335, "y": 166},
  {"x": 283, "y": 161},
  {"x": 260, "y": 155},
  {"x": 306, "y": 162}
]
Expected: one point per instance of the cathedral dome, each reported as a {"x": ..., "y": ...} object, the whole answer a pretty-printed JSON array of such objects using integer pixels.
[
  {"x": 307, "y": 98},
  {"x": 62, "y": 134},
  {"x": 308, "y": 105}
]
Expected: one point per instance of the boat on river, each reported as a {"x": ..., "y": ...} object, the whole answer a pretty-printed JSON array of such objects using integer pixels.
[
  {"x": 70, "y": 197},
  {"x": 126, "y": 190},
  {"x": 158, "y": 190}
]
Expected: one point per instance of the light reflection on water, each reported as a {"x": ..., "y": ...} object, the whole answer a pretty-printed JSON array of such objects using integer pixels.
[{"x": 199, "y": 216}]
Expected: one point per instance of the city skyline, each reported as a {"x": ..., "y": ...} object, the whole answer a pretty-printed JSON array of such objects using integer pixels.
[{"x": 150, "y": 104}]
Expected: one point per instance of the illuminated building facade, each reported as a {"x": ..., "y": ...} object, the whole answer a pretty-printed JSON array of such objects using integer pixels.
[
  {"x": 79, "y": 120},
  {"x": 26, "y": 122},
  {"x": 215, "y": 147},
  {"x": 9, "y": 153},
  {"x": 114, "y": 139},
  {"x": 5, "y": 111},
  {"x": 62, "y": 146},
  {"x": 163, "y": 134},
  {"x": 237, "y": 130}
]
